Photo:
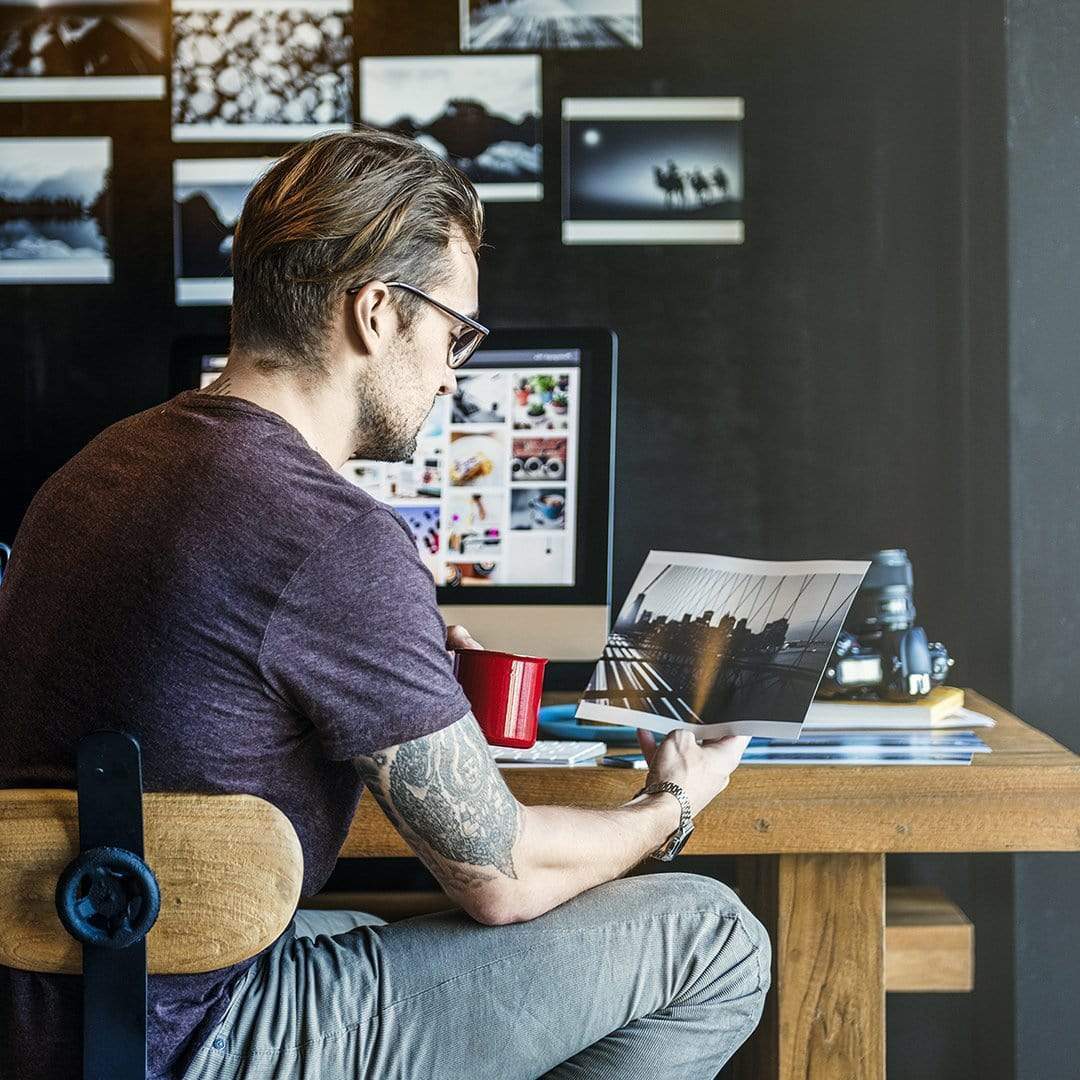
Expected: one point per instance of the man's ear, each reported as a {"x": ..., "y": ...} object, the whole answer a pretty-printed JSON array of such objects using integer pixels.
[{"x": 370, "y": 318}]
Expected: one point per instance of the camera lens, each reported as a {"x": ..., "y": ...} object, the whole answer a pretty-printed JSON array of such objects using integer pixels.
[{"x": 886, "y": 600}]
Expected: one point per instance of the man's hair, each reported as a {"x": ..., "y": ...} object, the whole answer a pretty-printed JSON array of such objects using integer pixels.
[{"x": 332, "y": 213}]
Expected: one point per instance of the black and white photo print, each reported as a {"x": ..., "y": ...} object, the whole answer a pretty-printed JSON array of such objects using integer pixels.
[
  {"x": 652, "y": 171},
  {"x": 480, "y": 112},
  {"x": 54, "y": 210},
  {"x": 496, "y": 25},
  {"x": 260, "y": 70},
  {"x": 78, "y": 50},
  {"x": 721, "y": 645},
  {"x": 208, "y": 196}
]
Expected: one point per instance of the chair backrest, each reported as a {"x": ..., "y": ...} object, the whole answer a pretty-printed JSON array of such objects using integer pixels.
[{"x": 229, "y": 868}]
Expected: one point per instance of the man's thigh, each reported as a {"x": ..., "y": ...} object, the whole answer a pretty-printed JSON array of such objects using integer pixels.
[{"x": 444, "y": 997}]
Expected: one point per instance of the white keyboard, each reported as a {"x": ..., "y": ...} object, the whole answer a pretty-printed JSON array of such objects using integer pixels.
[{"x": 550, "y": 752}]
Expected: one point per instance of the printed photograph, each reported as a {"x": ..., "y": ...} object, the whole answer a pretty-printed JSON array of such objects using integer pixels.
[
  {"x": 652, "y": 171},
  {"x": 537, "y": 459},
  {"x": 475, "y": 525},
  {"x": 208, "y": 195},
  {"x": 496, "y": 25},
  {"x": 541, "y": 401},
  {"x": 81, "y": 50},
  {"x": 55, "y": 211},
  {"x": 538, "y": 509},
  {"x": 260, "y": 71},
  {"x": 480, "y": 112},
  {"x": 706, "y": 640},
  {"x": 480, "y": 398},
  {"x": 539, "y": 558},
  {"x": 478, "y": 460}
]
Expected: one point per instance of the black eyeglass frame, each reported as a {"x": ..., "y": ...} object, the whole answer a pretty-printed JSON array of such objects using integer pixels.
[{"x": 480, "y": 331}]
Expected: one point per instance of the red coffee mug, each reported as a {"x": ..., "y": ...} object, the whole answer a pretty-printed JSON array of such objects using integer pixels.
[{"x": 504, "y": 691}]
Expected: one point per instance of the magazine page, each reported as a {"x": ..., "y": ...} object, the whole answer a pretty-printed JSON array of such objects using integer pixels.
[{"x": 720, "y": 645}]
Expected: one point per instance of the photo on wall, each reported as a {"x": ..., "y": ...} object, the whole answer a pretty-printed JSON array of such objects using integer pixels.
[
  {"x": 208, "y": 195},
  {"x": 480, "y": 112},
  {"x": 495, "y": 25},
  {"x": 55, "y": 197},
  {"x": 652, "y": 171},
  {"x": 77, "y": 50},
  {"x": 260, "y": 70}
]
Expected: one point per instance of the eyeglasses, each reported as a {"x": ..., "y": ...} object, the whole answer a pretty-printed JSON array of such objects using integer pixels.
[{"x": 463, "y": 344}]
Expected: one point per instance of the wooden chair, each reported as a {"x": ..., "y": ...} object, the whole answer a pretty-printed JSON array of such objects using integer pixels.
[{"x": 220, "y": 882}]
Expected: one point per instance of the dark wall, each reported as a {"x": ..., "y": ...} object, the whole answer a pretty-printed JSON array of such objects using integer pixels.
[
  {"x": 839, "y": 383},
  {"x": 1044, "y": 331}
]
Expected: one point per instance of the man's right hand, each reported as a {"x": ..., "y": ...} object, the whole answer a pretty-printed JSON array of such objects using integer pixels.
[{"x": 702, "y": 770}]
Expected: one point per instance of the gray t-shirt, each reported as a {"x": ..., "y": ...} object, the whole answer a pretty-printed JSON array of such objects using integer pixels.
[{"x": 200, "y": 577}]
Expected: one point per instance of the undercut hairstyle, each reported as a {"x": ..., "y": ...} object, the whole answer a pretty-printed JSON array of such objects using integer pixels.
[{"x": 334, "y": 213}]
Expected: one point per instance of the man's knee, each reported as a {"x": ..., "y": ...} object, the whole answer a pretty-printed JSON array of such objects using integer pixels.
[{"x": 748, "y": 935}]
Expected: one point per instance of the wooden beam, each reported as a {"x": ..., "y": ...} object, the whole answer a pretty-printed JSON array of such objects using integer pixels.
[
  {"x": 825, "y": 1015},
  {"x": 929, "y": 942}
]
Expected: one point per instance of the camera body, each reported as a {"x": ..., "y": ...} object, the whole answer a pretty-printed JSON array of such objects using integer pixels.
[{"x": 880, "y": 652}]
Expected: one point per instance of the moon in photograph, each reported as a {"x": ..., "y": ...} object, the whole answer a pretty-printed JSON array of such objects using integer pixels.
[{"x": 591, "y": 137}]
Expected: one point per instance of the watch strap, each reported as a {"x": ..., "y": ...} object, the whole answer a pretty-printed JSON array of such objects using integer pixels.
[{"x": 674, "y": 844}]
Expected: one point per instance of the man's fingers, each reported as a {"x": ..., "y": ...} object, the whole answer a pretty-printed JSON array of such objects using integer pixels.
[
  {"x": 457, "y": 637},
  {"x": 647, "y": 742},
  {"x": 730, "y": 744}
]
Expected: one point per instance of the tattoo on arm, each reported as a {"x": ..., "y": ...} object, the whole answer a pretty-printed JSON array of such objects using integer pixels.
[{"x": 447, "y": 796}]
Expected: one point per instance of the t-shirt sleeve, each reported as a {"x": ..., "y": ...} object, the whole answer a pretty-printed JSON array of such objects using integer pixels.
[{"x": 357, "y": 645}]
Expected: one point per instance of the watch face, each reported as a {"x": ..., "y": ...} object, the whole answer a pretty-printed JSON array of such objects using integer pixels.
[
  {"x": 681, "y": 842},
  {"x": 676, "y": 844}
]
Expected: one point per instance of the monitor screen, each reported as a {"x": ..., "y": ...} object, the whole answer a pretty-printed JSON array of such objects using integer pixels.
[
  {"x": 491, "y": 494},
  {"x": 508, "y": 495}
]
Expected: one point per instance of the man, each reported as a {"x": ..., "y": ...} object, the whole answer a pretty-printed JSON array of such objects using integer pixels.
[{"x": 203, "y": 577}]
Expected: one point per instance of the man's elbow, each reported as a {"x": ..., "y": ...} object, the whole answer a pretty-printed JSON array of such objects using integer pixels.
[{"x": 502, "y": 906}]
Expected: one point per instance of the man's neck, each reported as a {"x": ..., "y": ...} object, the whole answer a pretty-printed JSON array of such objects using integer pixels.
[{"x": 321, "y": 412}]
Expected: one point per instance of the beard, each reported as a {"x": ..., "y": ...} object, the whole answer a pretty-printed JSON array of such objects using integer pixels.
[{"x": 386, "y": 429}]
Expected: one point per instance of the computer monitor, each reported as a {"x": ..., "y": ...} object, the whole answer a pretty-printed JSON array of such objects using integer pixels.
[{"x": 509, "y": 495}]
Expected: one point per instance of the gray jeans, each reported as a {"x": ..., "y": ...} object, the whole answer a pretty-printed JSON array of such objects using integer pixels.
[{"x": 651, "y": 977}]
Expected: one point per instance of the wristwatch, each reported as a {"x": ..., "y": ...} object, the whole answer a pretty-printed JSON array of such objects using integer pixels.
[{"x": 677, "y": 841}]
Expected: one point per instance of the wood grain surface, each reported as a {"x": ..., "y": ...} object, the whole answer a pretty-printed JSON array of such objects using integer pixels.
[
  {"x": 824, "y": 1018},
  {"x": 229, "y": 868},
  {"x": 1025, "y": 796}
]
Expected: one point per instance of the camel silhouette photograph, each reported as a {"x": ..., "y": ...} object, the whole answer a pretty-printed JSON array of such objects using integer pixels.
[{"x": 664, "y": 172}]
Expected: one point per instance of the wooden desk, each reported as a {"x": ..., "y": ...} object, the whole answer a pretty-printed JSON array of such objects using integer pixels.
[{"x": 820, "y": 834}]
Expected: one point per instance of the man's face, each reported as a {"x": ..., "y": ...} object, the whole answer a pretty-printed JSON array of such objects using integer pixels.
[{"x": 396, "y": 394}]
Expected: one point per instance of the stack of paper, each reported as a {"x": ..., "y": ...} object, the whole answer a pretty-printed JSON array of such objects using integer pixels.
[
  {"x": 943, "y": 707},
  {"x": 868, "y": 748}
]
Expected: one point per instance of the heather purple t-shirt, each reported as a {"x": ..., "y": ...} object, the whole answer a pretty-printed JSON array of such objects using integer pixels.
[{"x": 200, "y": 577}]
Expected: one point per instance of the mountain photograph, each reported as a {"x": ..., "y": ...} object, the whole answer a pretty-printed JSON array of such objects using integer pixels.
[
  {"x": 480, "y": 112},
  {"x": 55, "y": 210}
]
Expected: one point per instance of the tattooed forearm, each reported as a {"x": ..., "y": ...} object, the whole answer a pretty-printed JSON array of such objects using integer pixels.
[{"x": 446, "y": 792}]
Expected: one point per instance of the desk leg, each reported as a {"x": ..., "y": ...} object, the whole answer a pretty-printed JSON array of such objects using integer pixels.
[{"x": 825, "y": 1015}]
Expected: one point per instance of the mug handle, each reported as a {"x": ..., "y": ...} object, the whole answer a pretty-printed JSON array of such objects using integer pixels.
[{"x": 5, "y": 558}]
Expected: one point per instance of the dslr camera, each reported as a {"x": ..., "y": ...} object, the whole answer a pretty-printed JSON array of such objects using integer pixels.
[{"x": 880, "y": 653}]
